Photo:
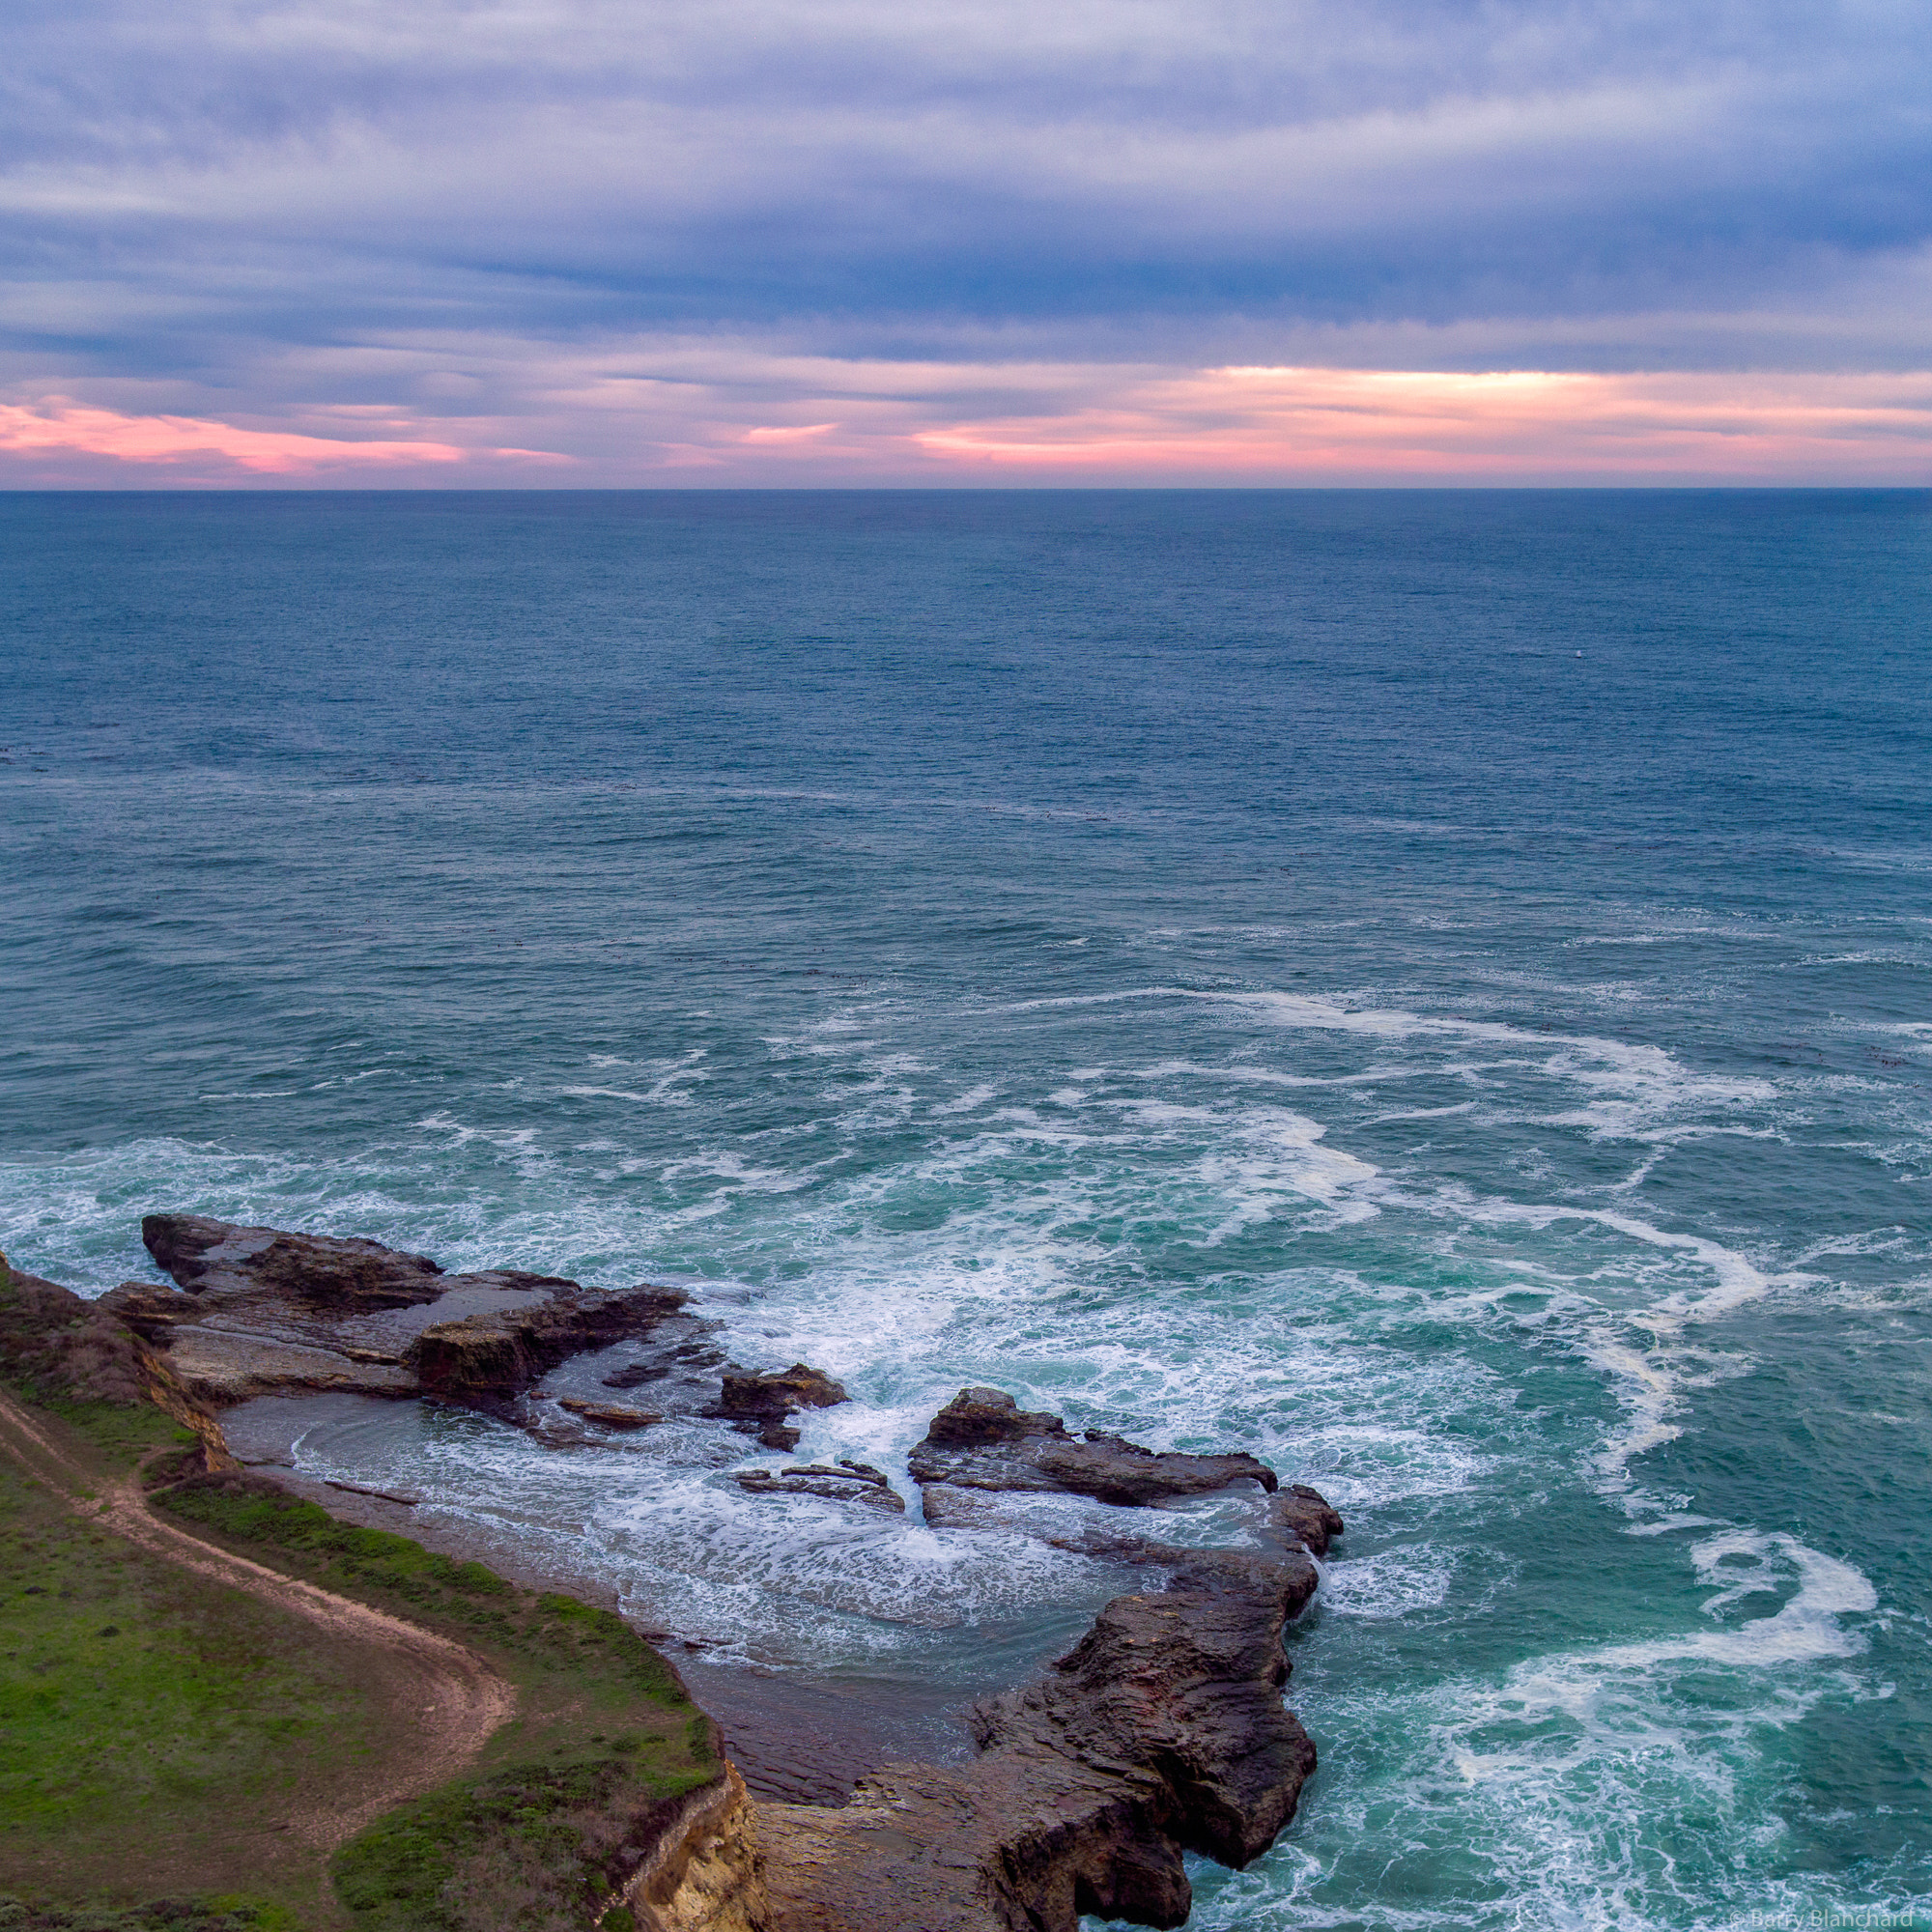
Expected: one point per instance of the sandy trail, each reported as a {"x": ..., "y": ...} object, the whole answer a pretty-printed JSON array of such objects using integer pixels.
[{"x": 456, "y": 1700}]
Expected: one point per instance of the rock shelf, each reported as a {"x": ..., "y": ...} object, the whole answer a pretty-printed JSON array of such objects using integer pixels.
[
  {"x": 983, "y": 1439},
  {"x": 261, "y": 1311},
  {"x": 1162, "y": 1731}
]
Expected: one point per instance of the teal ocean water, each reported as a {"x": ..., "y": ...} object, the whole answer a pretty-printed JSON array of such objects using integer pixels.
[{"x": 1435, "y": 990}]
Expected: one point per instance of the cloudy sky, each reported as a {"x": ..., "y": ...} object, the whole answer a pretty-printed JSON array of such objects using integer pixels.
[{"x": 583, "y": 243}]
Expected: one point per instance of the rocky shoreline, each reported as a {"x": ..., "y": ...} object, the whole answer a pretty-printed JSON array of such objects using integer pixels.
[{"x": 1161, "y": 1731}]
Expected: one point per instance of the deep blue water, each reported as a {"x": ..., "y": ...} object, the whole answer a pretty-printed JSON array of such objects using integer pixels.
[{"x": 1432, "y": 988}]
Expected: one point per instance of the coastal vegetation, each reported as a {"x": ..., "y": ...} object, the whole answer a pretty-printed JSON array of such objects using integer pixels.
[
  {"x": 171, "y": 1732},
  {"x": 563, "y": 1798}
]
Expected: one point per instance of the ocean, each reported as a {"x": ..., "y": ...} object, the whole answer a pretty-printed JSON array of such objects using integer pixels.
[{"x": 1431, "y": 989}]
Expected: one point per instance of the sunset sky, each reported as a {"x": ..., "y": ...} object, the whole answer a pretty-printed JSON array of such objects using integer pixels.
[{"x": 580, "y": 243}]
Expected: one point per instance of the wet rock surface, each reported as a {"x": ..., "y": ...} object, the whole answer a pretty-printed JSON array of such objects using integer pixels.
[
  {"x": 984, "y": 1440},
  {"x": 844, "y": 1482},
  {"x": 264, "y": 1311},
  {"x": 611, "y": 1415},
  {"x": 1161, "y": 1731},
  {"x": 759, "y": 1405},
  {"x": 1306, "y": 1516}
]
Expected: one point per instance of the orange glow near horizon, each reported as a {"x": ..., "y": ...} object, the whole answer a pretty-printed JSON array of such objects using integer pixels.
[
  {"x": 1448, "y": 426},
  {"x": 904, "y": 422}
]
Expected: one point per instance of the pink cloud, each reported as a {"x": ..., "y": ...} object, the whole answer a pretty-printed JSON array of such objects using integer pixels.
[
  {"x": 706, "y": 414},
  {"x": 1301, "y": 423},
  {"x": 775, "y": 432},
  {"x": 59, "y": 426}
]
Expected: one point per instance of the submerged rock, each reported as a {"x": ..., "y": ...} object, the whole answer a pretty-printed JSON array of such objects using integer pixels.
[
  {"x": 636, "y": 1375},
  {"x": 845, "y": 1483},
  {"x": 981, "y": 1440},
  {"x": 611, "y": 1415}
]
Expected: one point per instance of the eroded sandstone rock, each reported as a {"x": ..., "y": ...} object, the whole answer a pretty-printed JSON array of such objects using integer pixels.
[
  {"x": 269, "y": 1312},
  {"x": 981, "y": 1440},
  {"x": 759, "y": 1404},
  {"x": 702, "y": 1873},
  {"x": 1161, "y": 1731},
  {"x": 500, "y": 1351},
  {"x": 207, "y": 1256},
  {"x": 56, "y": 1345}
]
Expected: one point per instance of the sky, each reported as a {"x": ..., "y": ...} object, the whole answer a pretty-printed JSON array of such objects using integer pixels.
[{"x": 586, "y": 244}]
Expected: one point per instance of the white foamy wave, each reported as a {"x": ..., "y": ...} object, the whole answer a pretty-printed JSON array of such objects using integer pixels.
[
  {"x": 1634, "y": 1086},
  {"x": 1391, "y": 1583},
  {"x": 968, "y": 1103},
  {"x": 1641, "y": 1345},
  {"x": 1543, "y": 1796}
]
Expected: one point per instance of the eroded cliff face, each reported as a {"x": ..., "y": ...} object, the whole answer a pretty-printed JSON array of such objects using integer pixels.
[
  {"x": 706, "y": 1873},
  {"x": 53, "y": 1341}
]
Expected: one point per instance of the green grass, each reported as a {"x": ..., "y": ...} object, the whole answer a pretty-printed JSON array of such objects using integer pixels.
[
  {"x": 538, "y": 1847},
  {"x": 535, "y": 1839},
  {"x": 163, "y": 1730},
  {"x": 236, "y": 1913},
  {"x": 156, "y": 1726},
  {"x": 563, "y": 1644},
  {"x": 121, "y": 1433}
]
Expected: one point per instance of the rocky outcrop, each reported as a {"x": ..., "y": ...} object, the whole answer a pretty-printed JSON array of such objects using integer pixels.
[
  {"x": 261, "y": 1311},
  {"x": 981, "y": 1440},
  {"x": 611, "y": 1415},
  {"x": 53, "y": 1344},
  {"x": 759, "y": 1405},
  {"x": 1162, "y": 1731},
  {"x": 842, "y": 1482},
  {"x": 503, "y": 1351},
  {"x": 1304, "y": 1516},
  {"x": 327, "y": 1270}
]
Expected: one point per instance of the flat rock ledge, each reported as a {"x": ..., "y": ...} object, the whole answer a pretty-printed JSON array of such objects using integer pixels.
[
  {"x": 981, "y": 1440},
  {"x": 261, "y": 1311}
]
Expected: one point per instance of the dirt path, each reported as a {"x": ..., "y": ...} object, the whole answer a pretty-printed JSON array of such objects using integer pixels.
[{"x": 459, "y": 1701}]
